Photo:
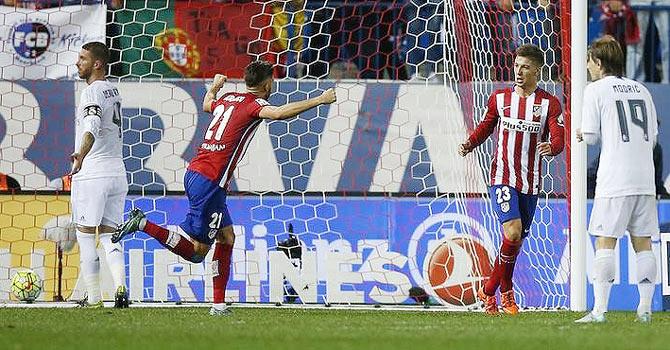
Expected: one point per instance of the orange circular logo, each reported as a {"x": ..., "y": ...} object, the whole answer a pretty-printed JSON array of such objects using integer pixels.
[{"x": 457, "y": 269}]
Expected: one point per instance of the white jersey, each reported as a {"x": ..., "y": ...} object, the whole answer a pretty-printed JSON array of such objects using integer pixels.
[
  {"x": 101, "y": 100},
  {"x": 622, "y": 114}
]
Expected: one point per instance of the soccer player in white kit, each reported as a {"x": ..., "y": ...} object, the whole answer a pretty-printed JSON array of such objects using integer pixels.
[
  {"x": 620, "y": 114},
  {"x": 99, "y": 184}
]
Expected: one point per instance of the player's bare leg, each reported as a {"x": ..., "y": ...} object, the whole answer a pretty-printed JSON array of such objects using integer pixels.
[
  {"x": 646, "y": 276},
  {"x": 223, "y": 249}
]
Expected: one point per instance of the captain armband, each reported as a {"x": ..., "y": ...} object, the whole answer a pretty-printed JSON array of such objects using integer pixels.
[{"x": 92, "y": 119}]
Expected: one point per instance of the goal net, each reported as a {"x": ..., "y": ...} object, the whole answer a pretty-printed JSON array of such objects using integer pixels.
[{"x": 354, "y": 203}]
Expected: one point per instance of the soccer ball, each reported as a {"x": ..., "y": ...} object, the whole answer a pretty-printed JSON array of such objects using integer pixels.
[{"x": 26, "y": 285}]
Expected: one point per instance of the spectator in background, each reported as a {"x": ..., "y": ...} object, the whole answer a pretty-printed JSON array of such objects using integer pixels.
[
  {"x": 397, "y": 57},
  {"x": 343, "y": 70},
  {"x": 595, "y": 25},
  {"x": 424, "y": 42},
  {"x": 661, "y": 191},
  {"x": 502, "y": 33},
  {"x": 8, "y": 183},
  {"x": 432, "y": 52},
  {"x": 649, "y": 59},
  {"x": 379, "y": 36},
  {"x": 619, "y": 21},
  {"x": 288, "y": 19},
  {"x": 534, "y": 23}
]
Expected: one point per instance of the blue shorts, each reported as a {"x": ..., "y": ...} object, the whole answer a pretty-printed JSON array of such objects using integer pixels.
[
  {"x": 510, "y": 204},
  {"x": 207, "y": 212}
]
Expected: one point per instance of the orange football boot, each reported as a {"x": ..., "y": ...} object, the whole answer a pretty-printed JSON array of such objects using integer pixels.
[
  {"x": 490, "y": 302},
  {"x": 508, "y": 304}
]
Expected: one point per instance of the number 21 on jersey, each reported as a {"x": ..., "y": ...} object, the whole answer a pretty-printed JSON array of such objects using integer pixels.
[{"x": 221, "y": 116}]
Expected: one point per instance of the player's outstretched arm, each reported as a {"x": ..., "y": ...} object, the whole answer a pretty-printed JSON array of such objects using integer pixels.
[
  {"x": 292, "y": 109},
  {"x": 210, "y": 96}
]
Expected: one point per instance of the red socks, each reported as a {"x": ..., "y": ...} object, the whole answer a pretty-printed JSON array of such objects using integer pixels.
[
  {"x": 184, "y": 248},
  {"x": 173, "y": 242},
  {"x": 508, "y": 253},
  {"x": 221, "y": 270},
  {"x": 503, "y": 268}
]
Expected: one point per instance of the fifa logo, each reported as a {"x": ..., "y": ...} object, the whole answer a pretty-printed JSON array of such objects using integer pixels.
[
  {"x": 31, "y": 40},
  {"x": 457, "y": 256}
]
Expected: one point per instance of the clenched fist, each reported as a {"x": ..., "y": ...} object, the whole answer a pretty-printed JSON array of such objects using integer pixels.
[
  {"x": 219, "y": 80},
  {"x": 328, "y": 96}
]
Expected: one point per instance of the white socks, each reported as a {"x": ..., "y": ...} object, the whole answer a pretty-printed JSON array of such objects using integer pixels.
[
  {"x": 90, "y": 265},
  {"x": 115, "y": 259},
  {"x": 603, "y": 277},
  {"x": 646, "y": 279}
]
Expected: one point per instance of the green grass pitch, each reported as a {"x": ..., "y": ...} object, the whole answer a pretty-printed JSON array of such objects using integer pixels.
[{"x": 283, "y": 328}]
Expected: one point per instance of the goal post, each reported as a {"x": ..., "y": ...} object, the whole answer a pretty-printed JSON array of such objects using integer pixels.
[{"x": 578, "y": 235}]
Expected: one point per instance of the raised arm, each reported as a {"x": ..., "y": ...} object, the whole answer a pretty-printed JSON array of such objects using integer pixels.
[
  {"x": 210, "y": 96},
  {"x": 292, "y": 109}
]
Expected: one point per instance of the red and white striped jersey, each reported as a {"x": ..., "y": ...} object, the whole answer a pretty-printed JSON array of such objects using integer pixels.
[
  {"x": 523, "y": 122},
  {"x": 228, "y": 135}
]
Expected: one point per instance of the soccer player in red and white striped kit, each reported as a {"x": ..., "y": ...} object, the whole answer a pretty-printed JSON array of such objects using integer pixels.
[
  {"x": 530, "y": 126},
  {"x": 236, "y": 115}
]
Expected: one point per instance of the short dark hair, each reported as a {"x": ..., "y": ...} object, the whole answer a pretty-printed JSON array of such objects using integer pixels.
[
  {"x": 610, "y": 54},
  {"x": 257, "y": 72},
  {"x": 532, "y": 52},
  {"x": 98, "y": 50}
]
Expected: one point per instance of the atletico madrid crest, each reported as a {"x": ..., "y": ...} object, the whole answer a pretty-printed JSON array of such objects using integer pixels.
[{"x": 537, "y": 110}]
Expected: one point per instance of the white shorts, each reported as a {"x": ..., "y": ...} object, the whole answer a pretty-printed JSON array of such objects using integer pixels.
[
  {"x": 612, "y": 217},
  {"x": 98, "y": 201}
]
